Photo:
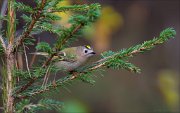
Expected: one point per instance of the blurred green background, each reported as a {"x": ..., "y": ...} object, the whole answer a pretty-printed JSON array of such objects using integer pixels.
[{"x": 125, "y": 23}]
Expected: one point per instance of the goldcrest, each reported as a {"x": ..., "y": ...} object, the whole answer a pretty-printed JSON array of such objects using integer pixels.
[{"x": 70, "y": 58}]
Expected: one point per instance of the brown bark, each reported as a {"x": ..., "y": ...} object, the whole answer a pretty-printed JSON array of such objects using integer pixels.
[
  {"x": 9, "y": 81},
  {"x": 9, "y": 108}
]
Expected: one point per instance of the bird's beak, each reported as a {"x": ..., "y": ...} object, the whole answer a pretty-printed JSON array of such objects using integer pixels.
[{"x": 93, "y": 53}]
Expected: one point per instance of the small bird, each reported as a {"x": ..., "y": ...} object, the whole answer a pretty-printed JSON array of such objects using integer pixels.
[{"x": 70, "y": 58}]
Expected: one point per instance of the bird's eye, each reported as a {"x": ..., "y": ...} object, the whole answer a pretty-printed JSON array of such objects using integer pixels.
[{"x": 85, "y": 51}]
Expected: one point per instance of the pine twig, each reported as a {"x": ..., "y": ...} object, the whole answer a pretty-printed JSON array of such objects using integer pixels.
[
  {"x": 74, "y": 8},
  {"x": 26, "y": 86},
  {"x": 70, "y": 35}
]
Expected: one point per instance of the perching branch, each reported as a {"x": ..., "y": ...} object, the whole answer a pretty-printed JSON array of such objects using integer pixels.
[{"x": 106, "y": 62}]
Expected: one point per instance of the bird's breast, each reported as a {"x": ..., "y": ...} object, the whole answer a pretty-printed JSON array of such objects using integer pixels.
[{"x": 68, "y": 66}]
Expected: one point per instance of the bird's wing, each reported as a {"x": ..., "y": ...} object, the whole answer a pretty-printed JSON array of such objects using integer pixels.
[
  {"x": 59, "y": 56},
  {"x": 62, "y": 56},
  {"x": 68, "y": 56},
  {"x": 69, "y": 60}
]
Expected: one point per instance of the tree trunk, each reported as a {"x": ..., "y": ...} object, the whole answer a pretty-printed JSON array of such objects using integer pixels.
[{"x": 9, "y": 85}]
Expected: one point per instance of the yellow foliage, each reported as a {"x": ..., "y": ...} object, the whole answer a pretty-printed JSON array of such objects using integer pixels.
[
  {"x": 168, "y": 84},
  {"x": 109, "y": 21},
  {"x": 64, "y": 15}
]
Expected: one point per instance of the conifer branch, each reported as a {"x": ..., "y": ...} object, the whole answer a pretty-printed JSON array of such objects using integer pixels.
[
  {"x": 65, "y": 40},
  {"x": 74, "y": 8},
  {"x": 30, "y": 82},
  {"x": 107, "y": 61},
  {"x": 35, "y": 18},
  {"x": 130, "y": 52}
]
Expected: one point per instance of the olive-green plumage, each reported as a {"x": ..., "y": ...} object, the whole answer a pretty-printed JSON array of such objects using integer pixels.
[{"x": 71, "y": 58}]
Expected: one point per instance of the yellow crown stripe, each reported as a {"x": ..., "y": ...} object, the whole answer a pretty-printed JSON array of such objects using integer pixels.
[{"x": 88, "y": 47}]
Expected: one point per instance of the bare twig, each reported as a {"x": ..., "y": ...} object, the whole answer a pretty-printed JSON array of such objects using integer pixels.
[
  {"x": 2, "y": 42},
  {"x": 34, "y": 56},
  {"x": 46, "y": 77},
  {"x": 27, "y": 64}
]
